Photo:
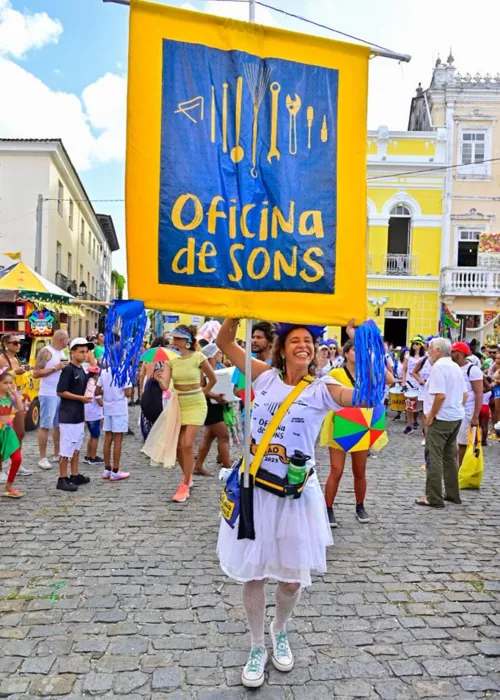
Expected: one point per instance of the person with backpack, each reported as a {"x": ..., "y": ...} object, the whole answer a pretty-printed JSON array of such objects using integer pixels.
[
  {"x": 151, "y": 391},
  {"x": 473, "y": 378}
]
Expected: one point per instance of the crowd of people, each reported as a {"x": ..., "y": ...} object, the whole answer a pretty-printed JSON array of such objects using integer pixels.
[{"x": 449, "y": 390}]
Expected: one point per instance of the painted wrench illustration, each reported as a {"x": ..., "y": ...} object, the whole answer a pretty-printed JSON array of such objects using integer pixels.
[
  {"x": 274, "y": 151},
  {"x": 293, "y": 106}
]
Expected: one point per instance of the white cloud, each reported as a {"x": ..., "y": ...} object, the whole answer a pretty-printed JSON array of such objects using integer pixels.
[
  {"x": 21, "y": 32},
  {"x": 92, "y": 128}
]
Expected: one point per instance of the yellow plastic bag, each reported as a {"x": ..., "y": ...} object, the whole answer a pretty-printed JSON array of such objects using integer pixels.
[{"x": 471, "y": 471}]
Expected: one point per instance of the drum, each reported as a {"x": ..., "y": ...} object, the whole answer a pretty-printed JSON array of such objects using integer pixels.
[
  {"x": 411, "y": 400},
  {"x": 397, "y": 399}
]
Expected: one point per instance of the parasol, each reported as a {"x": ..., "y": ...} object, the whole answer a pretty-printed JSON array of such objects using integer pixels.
[
  {"x": 356, "y": 429},
  {"x": 239, "y": 385},
  {"x": 22, "y": 279},
  {"x": 158, "y": 355}
]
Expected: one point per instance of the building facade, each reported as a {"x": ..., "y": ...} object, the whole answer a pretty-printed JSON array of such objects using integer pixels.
[
  {"x": 43, "y": 202},
  {"x": 405, "y": 219},
  {"x": 468, "y": 108}
]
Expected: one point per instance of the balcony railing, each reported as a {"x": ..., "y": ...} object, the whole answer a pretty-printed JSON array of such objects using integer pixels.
[
  {"x": 470, "y": 281},
  {"x": 67, "y": 285},
  {"x": 393, "y": 264}
]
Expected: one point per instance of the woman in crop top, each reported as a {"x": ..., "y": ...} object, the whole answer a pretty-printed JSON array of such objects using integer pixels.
[{"x": 185, "y": 373}]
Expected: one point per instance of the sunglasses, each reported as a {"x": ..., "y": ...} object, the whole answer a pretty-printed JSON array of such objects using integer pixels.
[{"x": 13, "y": 342}]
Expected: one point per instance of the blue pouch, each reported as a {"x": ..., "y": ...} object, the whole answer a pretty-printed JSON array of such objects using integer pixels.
[{"x": 231, "y": 496}]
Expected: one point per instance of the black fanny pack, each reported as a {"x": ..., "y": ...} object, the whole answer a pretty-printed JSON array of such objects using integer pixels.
[{"x": 278, "y": 485}]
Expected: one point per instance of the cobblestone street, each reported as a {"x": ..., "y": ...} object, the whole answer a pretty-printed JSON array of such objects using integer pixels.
[{"x": 115, "y": 592}]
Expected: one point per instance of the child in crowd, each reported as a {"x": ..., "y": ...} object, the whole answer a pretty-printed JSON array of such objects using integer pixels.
[
  {"x": 10, "y": 404},
  {"x": 115, "y": 406},
  {"x": 71, "y": 390},
  {"x": 93, "y": 417}
]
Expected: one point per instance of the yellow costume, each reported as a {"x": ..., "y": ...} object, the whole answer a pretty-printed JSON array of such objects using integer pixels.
[
  {"x": 192, "y": 404},
  {"x": 366, "y": 439}
]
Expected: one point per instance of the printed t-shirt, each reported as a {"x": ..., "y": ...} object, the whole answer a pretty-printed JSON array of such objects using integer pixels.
[{"x": 299, "y": 427}]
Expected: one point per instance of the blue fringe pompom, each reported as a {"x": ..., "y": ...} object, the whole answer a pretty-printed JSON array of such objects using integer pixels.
[
  {"x": 125, "y": 327},
  {"x": 370, "y": 366}
]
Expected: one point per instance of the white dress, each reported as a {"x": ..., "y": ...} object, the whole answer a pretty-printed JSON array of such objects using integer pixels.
[{"x": 291, "y": 536}]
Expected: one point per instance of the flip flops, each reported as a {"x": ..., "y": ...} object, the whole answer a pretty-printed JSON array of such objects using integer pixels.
[
  {"x": 425, "y": 502},
  {"x": 13, "y": 493}
]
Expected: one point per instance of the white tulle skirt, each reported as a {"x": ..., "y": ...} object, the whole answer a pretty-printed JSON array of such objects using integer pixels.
[{"x": 291, "y": 537}]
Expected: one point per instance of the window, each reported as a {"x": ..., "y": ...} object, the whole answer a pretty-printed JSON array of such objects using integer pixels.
[
  {"x": 58, "y": 256},
  {"x": 60, "y": 197},
  {"x": 90, "y": 242},
  {"x": 93, "y": 286},
  {"x": 70, "y": 267},
  {"x": 467, "y": 249},
  {"x": 88, "y": 282},
  {"x": 80, "y": 279},
  {"x": 399, "y": 260},
  {"x": 70, "y": 220},
  {"x": 475, "y": 148},
  {"x": 82, "y": 231},
  {"x": 93, "y": 248}
]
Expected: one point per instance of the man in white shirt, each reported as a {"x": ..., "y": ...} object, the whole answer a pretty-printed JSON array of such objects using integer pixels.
[
  {"x": 473, "y": 378},
  {"x": 445, "y": 394},
  {"x": 50, "y": 362}
]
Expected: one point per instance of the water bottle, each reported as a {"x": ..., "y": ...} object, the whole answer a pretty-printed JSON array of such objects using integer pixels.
[{"x": 297, "y": 467}]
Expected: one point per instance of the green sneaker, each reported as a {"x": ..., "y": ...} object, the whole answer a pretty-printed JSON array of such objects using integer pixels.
[
  {"x": 282, "y": 657},
  {"x": 253, "y": 673}
]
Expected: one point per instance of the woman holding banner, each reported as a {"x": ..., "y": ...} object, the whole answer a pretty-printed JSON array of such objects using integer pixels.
[{"x": 291, "y": 536}]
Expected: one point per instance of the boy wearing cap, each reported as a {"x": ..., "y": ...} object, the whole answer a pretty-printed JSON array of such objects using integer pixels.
[{"x": 71, "y": 390}]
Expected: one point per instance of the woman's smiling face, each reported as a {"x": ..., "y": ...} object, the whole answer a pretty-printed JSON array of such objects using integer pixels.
[{"x": 299, "y": 348}]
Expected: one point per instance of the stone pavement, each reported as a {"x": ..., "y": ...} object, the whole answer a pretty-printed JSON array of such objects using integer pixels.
[{"x": 115, "y": 592}]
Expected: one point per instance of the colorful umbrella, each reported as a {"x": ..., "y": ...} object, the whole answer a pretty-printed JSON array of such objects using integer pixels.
[
  {"x": 239, "y": 382},
  {"x": 159, "y": 355},
  {"x": 356, "y": 429}
]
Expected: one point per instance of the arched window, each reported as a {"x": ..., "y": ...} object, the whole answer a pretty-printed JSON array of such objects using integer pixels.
[
  {"x": 400, "y": 210},
  {"x": 399, "y": 260}
]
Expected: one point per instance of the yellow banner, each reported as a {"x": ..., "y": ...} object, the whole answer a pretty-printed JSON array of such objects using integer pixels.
[{"x": 246, "y": 169}]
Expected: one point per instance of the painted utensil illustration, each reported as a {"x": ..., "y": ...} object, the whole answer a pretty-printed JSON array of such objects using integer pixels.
[
  {"x": 273, "y": 150},
  {"x": 310, "y": 118},
  {"x": 212, "y": 116},
  {"x": 324, "y": 130},
  {"x": 257, "y": 76},
  {"x": 237, "y": 151},
  {"x": 293, "y": 106},
  {"x": 224, "y": 117}
]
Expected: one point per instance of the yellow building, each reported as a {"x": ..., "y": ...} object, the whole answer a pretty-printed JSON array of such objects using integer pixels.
[{"x": 405, "y": 217}]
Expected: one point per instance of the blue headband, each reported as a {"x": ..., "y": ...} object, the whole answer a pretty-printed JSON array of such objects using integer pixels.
[
  {"x": 284, "y": 329},
  {"x": 181, "y": 334}
]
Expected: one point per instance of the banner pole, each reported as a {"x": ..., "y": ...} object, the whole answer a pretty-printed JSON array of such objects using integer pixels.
[{"x": 248, "y": 398}]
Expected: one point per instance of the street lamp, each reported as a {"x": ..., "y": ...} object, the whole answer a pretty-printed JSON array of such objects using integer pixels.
[{"x": 83, "y": 289}]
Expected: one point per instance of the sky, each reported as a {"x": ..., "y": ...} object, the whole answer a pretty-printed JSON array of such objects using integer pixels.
[{"x": 63, "y": 68}]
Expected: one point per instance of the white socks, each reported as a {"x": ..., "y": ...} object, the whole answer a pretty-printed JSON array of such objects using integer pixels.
[{"x": 254, "y": 602}]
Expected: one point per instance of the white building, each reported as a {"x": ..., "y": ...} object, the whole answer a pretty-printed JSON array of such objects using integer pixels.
[{"x": 38, "y": 179}]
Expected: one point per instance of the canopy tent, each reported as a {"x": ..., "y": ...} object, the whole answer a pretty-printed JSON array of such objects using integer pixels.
[{"x": 18, "y": 282}]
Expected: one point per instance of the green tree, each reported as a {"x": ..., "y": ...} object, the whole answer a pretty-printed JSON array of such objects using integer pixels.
[{"x": 119, "y": 282}]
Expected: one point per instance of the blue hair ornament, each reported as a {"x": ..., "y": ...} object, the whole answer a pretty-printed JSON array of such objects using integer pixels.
[
  {"x": 125, "y": 327},
  {"x": 369, "y": 388}
]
